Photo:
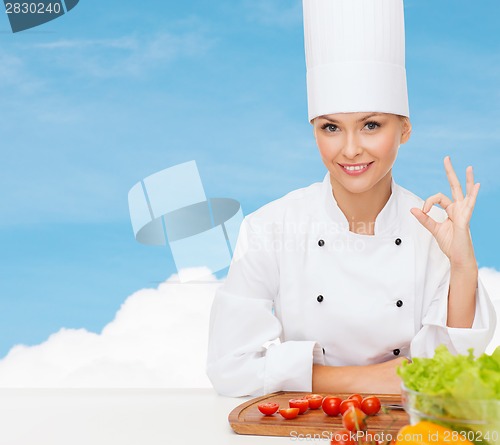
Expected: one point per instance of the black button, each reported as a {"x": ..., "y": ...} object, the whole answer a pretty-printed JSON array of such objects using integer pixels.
[
  {"x": 396, "y": 351},
  {"x": 321, "y": 243},
  {"x": 323, "y": 350},
  {"x": 399, "y": 303},
  {"x": 398, "y": 241},
  {"x": 320, "y": 298}
]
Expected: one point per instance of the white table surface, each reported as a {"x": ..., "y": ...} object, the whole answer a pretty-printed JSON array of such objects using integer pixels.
[{"x": 122, "y": 417}]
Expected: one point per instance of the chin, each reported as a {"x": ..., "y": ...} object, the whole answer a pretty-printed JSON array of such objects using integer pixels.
[
  {"x": 357, "y": 189},
  {"x": 353, "y": 185}
]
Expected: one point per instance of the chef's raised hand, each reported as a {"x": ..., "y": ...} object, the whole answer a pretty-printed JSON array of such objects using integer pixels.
[{"x": 453, "y": 234}]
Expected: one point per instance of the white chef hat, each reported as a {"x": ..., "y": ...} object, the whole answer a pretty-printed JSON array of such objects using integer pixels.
[{"x": 355, "y": 56}]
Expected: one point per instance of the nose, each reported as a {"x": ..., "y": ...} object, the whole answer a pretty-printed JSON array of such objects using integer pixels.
[{"x": 352, "y": 146}]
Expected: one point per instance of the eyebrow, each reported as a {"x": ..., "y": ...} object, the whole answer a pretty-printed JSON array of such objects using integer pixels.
[{"x": 358, "y": 121}]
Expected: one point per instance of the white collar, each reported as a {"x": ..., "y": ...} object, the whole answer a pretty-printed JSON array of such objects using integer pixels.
[{"x": 386, "y": 223}]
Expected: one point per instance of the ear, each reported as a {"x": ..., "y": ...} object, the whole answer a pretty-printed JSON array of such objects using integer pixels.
[
  {"x": 406, "y": 130},
  {"x": 313, "y": 122}
]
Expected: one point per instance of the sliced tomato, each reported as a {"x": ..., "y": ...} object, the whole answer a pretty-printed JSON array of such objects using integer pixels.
[
  {"x": 371, "y": 405},
  {"x": 314, "y": 400},
  {"x": 301, "y": 404},
  {"x": 289, "y": 413},
  {"x": 347, "y": 403},
  {"x": 354, "y": 419},
  {"x": 268, "y": 408},
  {"x": 331, "y": 405}
]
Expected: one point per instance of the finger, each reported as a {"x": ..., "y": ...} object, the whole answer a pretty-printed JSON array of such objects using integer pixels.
[
  {"x": 425, "y": 220},
  {"x": 471, "y": 201},
  {"x": 469, "y": 174},
  {"x": 438, "y": 198},
  {"x": 456, "y": 188}
]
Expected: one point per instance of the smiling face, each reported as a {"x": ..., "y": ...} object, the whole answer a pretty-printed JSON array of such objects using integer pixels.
[{"x": 359, "y": 149}]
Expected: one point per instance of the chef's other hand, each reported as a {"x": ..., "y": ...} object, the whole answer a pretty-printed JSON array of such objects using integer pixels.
[
  {"x": 380, "y": 378},
  {"x": 453, "y": 234},
  {"x": 385, "y": 377}
]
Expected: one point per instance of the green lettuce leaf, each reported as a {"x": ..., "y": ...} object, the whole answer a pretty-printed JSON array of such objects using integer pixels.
[{"x": 458, "y": 391}]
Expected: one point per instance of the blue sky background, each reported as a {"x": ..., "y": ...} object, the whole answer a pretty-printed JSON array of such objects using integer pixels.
[{"x": 114, "y": 91}]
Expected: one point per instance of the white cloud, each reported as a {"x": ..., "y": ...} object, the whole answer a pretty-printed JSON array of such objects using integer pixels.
[
  {"x": 157, "y": 339},
  {"x": 491, "y": 280},
  {"x": 15, "y": 76},
  {"x": 124, "y": 56},
  {"x": 280, "y": 13},
  {"x": 129, "y": 43}
]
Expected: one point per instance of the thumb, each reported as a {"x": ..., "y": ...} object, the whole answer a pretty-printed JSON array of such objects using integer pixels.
[{"x": 425, "y": 220}]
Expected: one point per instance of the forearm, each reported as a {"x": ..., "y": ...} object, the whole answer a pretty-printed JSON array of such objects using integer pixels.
[
  {"x": 462, "y": 294},
  {"x": 379, "y": 378}
]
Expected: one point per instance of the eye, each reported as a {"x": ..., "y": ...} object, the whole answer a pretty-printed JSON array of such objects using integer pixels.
[
  {"x": 372, "y": 125},
  {"x": 329, "y": 128}
]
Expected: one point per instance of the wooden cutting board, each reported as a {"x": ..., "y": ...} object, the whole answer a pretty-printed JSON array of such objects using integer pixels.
[{"x": 247, "y": 419}]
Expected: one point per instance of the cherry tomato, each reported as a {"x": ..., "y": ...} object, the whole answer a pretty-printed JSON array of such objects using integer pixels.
[
  {"x": 315, "y": 400},
  {"x": 301, "y": 404},
  {"x": 357, "y": 397},
  {"x": 268, "y": 408},
  {"x": 331, "y": 405},
  {"x": 344, "y": 406},
  {"x": 354, "y": 419},
  {"x": 289, "y": 413},
  {"x": 343, "y": 437},
  {"x": 370, "y": 405}
]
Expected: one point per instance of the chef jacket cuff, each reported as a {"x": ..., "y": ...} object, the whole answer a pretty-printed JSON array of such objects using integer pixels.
[
  {"x": 457, "y": 340},
  {"x": 289, "y": 366},
  {"x": 479, "y": 335}
]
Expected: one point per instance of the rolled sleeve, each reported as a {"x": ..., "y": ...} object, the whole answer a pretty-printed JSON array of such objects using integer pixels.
[
  {"x": 242, "y": 323},
  {"x": 483, "y": 327},
  {"x": 238, "y": 362},
  {"x": 289, "y": 366},
  {"x": 434, "y": 330}
]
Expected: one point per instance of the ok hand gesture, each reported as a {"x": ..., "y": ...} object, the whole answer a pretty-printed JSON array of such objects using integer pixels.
[{"x": 453, "y": 234}]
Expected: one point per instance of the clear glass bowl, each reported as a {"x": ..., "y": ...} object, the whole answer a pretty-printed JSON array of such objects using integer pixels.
[{"x": 476, "y": 420}]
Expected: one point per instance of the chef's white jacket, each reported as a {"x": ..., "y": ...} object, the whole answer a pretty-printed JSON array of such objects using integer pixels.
[{"x": 303, "y": 289}]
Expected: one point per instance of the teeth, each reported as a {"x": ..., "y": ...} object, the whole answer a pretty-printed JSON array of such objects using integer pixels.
[{"x": 355, "y": 168}]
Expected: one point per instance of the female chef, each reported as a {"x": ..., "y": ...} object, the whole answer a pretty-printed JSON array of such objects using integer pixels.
[{"x": 332, "y": 286}]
